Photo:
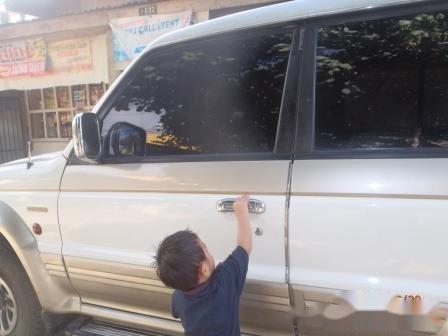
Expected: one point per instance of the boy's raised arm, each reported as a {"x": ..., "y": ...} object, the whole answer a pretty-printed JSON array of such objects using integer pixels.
[{"x": 244, "y": 235}]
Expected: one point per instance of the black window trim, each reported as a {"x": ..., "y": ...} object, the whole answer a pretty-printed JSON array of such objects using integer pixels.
[
  {"x": 305, "y": 134},
  {"x": 289, "y": 94}
]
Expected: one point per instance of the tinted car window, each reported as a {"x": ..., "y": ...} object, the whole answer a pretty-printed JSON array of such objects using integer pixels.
[
  {"x": 218, "y": 96},
  {"x": 382, "y": 84}
]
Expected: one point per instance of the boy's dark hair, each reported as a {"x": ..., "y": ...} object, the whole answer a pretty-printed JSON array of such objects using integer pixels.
[{"x": 177, "y": 260}]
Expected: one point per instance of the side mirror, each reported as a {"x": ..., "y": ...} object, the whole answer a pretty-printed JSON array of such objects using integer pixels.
[
  {"x": 125, "y": 139},
  {"x": 86, "y": 137}
]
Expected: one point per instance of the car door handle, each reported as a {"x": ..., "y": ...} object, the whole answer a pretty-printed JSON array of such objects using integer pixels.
[{"x": 255, "y": 206}]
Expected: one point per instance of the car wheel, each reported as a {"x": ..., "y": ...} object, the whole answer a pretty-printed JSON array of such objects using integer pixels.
[{"x": 20, "y": 311}]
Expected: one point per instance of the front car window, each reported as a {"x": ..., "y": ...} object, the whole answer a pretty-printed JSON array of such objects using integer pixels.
[
  {"x": 213, "y": 97},
  {"x": 382, "y": 84}
]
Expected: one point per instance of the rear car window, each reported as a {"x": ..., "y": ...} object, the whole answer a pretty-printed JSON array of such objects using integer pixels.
[{"x": 383, "y": 84}]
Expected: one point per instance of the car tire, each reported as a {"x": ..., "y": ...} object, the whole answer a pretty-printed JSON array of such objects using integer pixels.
[{"x": 20, "y": 310}]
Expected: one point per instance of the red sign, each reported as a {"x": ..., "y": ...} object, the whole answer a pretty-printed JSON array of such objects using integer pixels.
[{"x": 21, "y": 58}]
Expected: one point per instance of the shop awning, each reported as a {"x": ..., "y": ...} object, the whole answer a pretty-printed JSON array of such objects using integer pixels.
[{"x": 52, "y": 8}]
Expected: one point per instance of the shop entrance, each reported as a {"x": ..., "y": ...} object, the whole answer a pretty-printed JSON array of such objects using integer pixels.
[{"x": 12, "y": 142}]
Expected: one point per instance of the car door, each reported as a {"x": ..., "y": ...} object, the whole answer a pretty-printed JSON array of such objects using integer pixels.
[
  {"x": 191, "y": 125},
  {"x": 369, "y": 191}
]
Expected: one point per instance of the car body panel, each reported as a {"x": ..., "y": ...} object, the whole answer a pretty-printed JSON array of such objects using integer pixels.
[
  {"x": 114, "y": 216},
  {"x": 29, "y": 196},
  {"x": 371, "y": 231},
  {"x": 338, "y": 212},
  {"x": 33, "y": 194}
]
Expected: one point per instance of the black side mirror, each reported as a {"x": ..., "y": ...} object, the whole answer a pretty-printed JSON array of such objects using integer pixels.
[
  {"x": 124, "y": 139},
  {"x": 86, "y": 137}
]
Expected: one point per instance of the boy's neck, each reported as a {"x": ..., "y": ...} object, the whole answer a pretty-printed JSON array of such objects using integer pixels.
[{"x": 198, "y": 288}]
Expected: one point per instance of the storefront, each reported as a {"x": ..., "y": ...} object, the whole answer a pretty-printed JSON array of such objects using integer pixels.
[{"x": 52, "y": 79}]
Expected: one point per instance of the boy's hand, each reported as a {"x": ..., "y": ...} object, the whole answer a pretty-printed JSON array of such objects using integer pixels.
[
  {"x": 244, "y": 236},
  {"x": 241, "y": 207}
]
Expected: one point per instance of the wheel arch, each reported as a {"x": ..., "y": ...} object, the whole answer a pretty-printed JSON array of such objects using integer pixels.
[{"x": 55, "y": 294}]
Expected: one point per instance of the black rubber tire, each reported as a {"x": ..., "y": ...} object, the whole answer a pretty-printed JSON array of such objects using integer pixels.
[{"x": 29, "y": 316}]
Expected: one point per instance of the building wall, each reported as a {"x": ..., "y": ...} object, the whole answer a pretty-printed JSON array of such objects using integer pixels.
[{"x": 42, "y": 147}]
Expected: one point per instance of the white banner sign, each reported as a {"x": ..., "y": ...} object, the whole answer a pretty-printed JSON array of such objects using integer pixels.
[
  {"x": 135, "y": 33},
  {"x": 70, "y": 55}
]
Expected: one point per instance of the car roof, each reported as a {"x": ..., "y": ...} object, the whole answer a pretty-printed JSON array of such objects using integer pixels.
[{"x": 283, "y": 12}]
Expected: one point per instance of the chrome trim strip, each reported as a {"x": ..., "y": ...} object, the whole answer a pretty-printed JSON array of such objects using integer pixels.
[
  {"x": 53, "y": 264},
  {"x": 121, "y": 283},
  {"x": 58, "y": 274},
  {"x": 57, "y": 268},
  {"x": 51, "y": 258},
  {"x": 111, "y": 267},
  {"x": 114, "y": 276},
  {"x": 260, "y": 298},
  {"x": 266, "y": 288}
]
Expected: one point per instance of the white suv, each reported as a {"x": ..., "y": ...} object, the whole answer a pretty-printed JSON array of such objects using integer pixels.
[{"x": 332, "y": 115}]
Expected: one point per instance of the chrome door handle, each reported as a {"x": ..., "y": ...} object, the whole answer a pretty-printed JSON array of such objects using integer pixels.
[{"x": 255, "y": 206}]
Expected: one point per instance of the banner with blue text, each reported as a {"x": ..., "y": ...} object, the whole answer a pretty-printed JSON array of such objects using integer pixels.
[{"x": 133, "y": 34}]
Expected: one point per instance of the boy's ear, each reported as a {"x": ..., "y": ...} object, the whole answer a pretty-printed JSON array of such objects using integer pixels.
[{"x": 203, "y": 269}]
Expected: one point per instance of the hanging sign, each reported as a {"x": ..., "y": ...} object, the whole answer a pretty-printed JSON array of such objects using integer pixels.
[
  {"x": 70, "y": 55},
  {"x": 133, "y": 34}
]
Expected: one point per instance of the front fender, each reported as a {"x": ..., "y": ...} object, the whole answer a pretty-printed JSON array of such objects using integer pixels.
[{"x": 55, "y": 293}]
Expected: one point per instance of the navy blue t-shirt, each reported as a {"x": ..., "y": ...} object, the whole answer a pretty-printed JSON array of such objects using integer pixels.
[{"x": 212, "y": 309}]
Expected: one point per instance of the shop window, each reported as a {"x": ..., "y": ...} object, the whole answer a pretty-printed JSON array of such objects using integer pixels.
[
  {"x": 52, "y": 109},
  {"x": 52, "y": 124},
  {"x": 96, "y": 91},
  {"x": 37, "y": 125},
  {"x": 49, "y": 98},
  {"x": 65, "y": 124},
  {"x": 63, "y": 96},
  {"x": 79, "y": 96},
  {"x": 35, "y": 99}
]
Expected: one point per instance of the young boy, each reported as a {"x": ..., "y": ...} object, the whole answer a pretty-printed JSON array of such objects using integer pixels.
[{"x": 206, "y": 298}]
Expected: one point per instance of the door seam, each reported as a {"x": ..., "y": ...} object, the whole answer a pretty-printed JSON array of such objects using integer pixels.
[{"x": 60, "y": 233}]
